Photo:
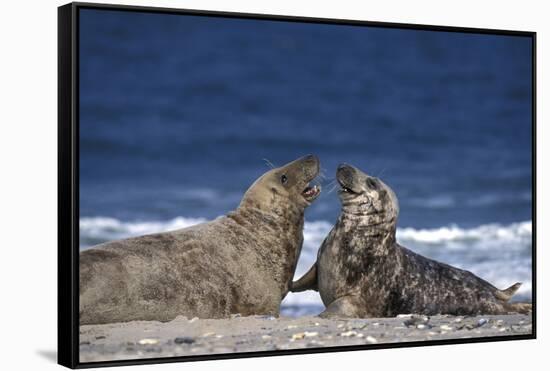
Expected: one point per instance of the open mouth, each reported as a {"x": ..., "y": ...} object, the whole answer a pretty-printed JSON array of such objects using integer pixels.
[
  {"x": 310, "y": 193},
  {"x": 344, "y": 189}
]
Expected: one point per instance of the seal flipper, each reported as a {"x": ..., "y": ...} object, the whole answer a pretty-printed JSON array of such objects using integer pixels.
[
  {"x": 307, "y": 282},
  {"x": 507, "y": 294},
  {"x": 344, "y": 307}
]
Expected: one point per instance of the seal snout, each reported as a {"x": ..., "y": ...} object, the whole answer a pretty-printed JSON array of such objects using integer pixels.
[
  {"x": 346, "y": 174},
  {"x": 311, "y": 167}
]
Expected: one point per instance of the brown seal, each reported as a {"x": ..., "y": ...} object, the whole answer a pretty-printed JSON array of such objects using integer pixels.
[
  {"x": 361, "y": 271},
  {"x": 239, "y": 263}
]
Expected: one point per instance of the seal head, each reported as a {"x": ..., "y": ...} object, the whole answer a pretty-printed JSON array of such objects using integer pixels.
[
  {"x": 367, "y": 198},
  {"x": 284, "y": 188}
]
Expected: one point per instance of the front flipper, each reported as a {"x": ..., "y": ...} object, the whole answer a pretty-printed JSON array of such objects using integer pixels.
[
  {"x": 307, "y": 282},
  {"x": 344, "y": 307}
]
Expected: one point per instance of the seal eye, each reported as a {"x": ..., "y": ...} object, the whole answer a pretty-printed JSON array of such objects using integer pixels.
[{"x": 284, "y": 179}]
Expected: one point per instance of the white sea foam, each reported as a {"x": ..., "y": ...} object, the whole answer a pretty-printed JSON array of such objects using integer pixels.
[
  {"x": 96, "y": 230},
  {"x": 516, "y": 232},
  {"x": 500, "y": 254}
]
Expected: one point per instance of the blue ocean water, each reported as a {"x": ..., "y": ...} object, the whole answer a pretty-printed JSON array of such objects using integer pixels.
[{"x": 178, "y": 113}]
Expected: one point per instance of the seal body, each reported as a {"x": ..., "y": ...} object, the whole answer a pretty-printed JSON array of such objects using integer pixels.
[
  {"x": 239, "y": 263},
  {"x": 361, "y": 271}
]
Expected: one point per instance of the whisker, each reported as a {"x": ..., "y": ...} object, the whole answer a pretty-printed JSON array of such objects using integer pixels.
[
  {"x": 333, "y": 188},
  {"x": 269, "y": 163},
  {"x": 323, "y": 173},
  {"x": 381, "y": 172},
  {"x": 317, "y": 181},
  {"x": 330, "y": 183}
]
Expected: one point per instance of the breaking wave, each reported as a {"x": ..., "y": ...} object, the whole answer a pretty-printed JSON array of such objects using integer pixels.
[{"x": 498, "y": 253}]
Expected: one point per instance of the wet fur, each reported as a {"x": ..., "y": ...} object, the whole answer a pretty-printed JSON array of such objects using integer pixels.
[
  {"x": 240, "y": 263},
  {"x": 361, "y": 271}
]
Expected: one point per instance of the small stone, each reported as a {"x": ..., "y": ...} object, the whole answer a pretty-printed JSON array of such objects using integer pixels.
[
  {"x": 148, "y": 341},
  {"x": 266, "y": 337},
  {"x": 291, "y": 326},
  {"x": 415, "y": 320},
  {"x": 349, "y": 333},
  {"x": 184, "y": 340},
  {"x": 371, "y": 340},
  {"x": 340, "y": 325},
  {"x": 421, "y": 326},
  {"x": 298, "y": 336},
  {"x": 310, "y": 334},
  {"x": 219, "y": 336},
  {"x": 316, "y": 323},
  {"x": 459, "y": 319},
  {"x": 194, "y": 319},
  {"x": 100, "y": 337},
  {"x": 207, "y": 334},
  {"x": 235, "y": 315},
  {"x": 404, "y": 315},
  {"x": 481, "y": 322},
  {"x": 446, "y": 328}
]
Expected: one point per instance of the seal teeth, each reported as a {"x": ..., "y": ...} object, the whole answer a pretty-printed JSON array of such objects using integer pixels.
[{"x": 311, "y": 191}]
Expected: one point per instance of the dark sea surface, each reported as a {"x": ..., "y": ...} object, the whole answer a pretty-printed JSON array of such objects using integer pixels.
[{"x": 178, "y": 113}]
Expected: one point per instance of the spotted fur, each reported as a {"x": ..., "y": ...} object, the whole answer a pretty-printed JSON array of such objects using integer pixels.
[{"x": 361, "y": 271}]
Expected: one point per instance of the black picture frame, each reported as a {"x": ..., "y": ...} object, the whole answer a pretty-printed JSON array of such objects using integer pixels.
[{"x": 68, "y": 182}]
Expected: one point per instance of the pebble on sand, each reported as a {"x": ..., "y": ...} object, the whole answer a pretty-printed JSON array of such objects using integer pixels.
[
  {"x": 148, "y": 341},
  {"x": 184, "y": 340},
  {"x": 349, "y": 333},
  {"x": 248, "y": 334},
  {"x": 371, "y": 339},
  {"x": 415, "y": 320},
  {"x": 481, "y": 322}
]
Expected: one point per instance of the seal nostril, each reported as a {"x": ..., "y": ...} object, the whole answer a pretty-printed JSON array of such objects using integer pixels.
[
  {"x": 311, "y": 159},
  {"x": 345, "y": 170},
  {"x": 343, "y": 167}
]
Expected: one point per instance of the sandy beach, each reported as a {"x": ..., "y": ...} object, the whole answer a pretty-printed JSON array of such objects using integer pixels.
[{"x": 183, "y": 336}]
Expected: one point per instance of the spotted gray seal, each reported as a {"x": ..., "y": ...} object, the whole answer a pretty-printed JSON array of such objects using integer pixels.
[
  {"x": 239, "y": 263},
  {"x": 361, "y": 271}
]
